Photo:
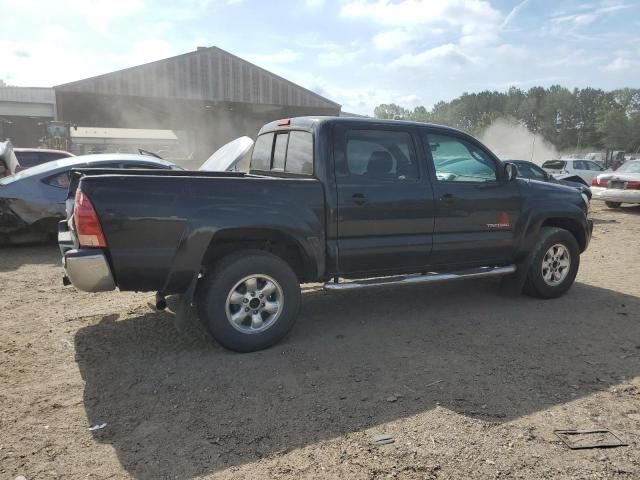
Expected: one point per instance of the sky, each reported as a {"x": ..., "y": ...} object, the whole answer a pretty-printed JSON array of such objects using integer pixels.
[{"x": 359, "y": 53}]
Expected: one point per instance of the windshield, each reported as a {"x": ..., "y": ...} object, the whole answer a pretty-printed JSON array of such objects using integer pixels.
[
  {"x": 529, "y": 170},
  {"x": 631, "y": 167}
]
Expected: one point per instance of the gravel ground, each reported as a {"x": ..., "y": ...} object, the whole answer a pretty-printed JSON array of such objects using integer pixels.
[{"x": 469, "y": 382}]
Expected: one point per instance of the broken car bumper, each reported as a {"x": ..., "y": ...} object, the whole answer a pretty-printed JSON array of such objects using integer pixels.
[{"x": 615, "y": 195}]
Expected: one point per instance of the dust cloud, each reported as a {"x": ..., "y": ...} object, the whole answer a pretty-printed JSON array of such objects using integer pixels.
[{"x": 512, "y": 141}]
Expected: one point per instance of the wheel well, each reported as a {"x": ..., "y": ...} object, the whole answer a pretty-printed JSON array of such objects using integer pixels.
[
  {"x": 273, "y": 241},
  {"x": 571, "y": 226}
]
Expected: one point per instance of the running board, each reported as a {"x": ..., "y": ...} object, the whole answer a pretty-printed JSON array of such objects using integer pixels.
[{"x": 430, "y": 277}]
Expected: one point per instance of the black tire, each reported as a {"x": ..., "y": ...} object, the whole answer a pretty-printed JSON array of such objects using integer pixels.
[
  {"x": 613, "y": 204},
  {"x": 220, "y": 279},
  {"x": 535, "y": 284}
]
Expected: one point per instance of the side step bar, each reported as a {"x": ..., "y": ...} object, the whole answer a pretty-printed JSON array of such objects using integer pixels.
[{"x": 431, "y": 277}]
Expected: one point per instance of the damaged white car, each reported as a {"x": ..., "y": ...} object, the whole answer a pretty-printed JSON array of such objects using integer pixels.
[{"x": 618, "y": 187}]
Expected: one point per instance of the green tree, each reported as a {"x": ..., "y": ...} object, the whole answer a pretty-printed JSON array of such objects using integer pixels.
[
  {"x": 391, "y": 111},
  {"x": 567, "y": 118}
]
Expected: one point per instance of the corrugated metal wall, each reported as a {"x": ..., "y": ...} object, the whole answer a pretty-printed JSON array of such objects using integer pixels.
[
  {"x": 27, "y": 94},
  {"x": 206, "y": 74}
]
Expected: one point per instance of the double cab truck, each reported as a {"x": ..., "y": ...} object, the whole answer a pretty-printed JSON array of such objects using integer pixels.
[{"x": 354, "y": 203}]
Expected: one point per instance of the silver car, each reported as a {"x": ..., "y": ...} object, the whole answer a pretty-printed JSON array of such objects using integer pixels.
[
  {"x": 618, "y": 187},
  {"x": 32, "y": 202}
]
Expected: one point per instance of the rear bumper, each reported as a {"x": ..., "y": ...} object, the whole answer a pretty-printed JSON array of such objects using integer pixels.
[
  {"x": 615, "y": 195},
  {"x": 88, "y": 270}
]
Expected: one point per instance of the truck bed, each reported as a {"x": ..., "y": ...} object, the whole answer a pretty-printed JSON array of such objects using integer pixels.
[{"x": 159, "y": 224}]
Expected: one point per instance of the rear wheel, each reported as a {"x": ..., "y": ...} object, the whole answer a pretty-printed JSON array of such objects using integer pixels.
[
  {"x": 613, "y": 204},
  {"x": 249, "y": 300},
  {"x": 555, "y": 264}
]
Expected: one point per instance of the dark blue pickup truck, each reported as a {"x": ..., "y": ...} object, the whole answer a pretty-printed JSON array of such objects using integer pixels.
[{"x": 354, "y": 203}]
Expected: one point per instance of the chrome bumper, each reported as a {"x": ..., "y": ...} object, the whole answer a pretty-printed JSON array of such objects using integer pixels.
[
  {"x": 88, "y": 270},
  {"x": 615, "y": 195}
]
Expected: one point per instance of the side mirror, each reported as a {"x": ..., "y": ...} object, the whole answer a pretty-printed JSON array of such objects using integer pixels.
[{"x": 511, "y": 172}]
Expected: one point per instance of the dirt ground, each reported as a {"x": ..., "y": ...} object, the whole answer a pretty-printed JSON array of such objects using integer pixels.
[{"x": 469, "y": 382}]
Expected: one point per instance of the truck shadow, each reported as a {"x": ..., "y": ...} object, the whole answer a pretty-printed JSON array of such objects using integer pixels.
[{"x": 181, "y": 406}]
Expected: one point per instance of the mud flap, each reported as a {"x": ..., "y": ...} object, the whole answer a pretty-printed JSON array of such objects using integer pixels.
[
  {"x": 185, "y": 312},
  {"x": 514, "y": 283}
]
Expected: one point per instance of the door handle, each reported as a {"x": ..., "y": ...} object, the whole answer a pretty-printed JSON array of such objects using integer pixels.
[
  {"x": 359, "y": 198},
  {"x": 448, "y": 197}
]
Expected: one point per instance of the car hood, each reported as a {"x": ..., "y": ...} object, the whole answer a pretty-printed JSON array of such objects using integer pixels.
[
  {"x": 554, "y": 185},
  {"x": 228, "y": 156}
]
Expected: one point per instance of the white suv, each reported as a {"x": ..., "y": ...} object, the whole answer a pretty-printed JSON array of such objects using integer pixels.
[{"x": 566, "y": 169}]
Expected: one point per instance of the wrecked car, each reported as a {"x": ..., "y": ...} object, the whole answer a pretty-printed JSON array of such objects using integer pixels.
[
  {"x": 618, "y": 187},
  {"x": 355, "y": 203},
  {"x": 530, "y": 170},
  {"x": 14, "y": 160},
  {"x": 31, "y": 157},
  {"x": 32, "y": 202},
  {"x": 233, "y": 156},
  {"x": 574, "y": 170}
]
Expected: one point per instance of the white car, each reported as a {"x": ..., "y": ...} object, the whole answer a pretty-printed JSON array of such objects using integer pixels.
[
  {"x": 581, "y": 170},
  {"x": 621, "y": 186}
]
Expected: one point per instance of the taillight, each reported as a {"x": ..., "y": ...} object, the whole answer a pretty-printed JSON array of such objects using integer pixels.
[
  {"x": 596, "y": 182},
  {"x": 633, "y": 186},
  {"x": 88, "y": 227}
]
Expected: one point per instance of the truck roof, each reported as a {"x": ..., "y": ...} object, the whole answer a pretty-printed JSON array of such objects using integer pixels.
[{"x": 311, "y": 123}]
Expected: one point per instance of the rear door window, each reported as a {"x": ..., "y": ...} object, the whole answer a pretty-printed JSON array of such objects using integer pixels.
[{"x": 378, "y": 156}]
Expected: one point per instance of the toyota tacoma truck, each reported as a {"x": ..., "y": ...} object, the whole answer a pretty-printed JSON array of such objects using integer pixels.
[{"x": 353, "y": 203}]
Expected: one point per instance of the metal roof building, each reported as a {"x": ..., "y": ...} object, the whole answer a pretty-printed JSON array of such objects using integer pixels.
[
  {"x": 208, "y": 74},
  {"x": 208, "y": 97},
  {"x": 21, "y": 111}
]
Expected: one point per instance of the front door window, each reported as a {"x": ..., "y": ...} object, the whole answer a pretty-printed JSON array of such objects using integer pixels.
[{"x": 458, "y": 161}]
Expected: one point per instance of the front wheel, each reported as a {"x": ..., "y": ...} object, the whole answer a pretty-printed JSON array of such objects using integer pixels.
[
  {"x": 613, "y": 204},
  {"x": 555, "y": 264},
  {"x": 249, "y": 300}
]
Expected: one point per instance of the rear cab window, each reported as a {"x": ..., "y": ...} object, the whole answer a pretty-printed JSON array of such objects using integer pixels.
[
  {"x": 554, "y": 164},
  {"x": 287, "y": 151}
]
